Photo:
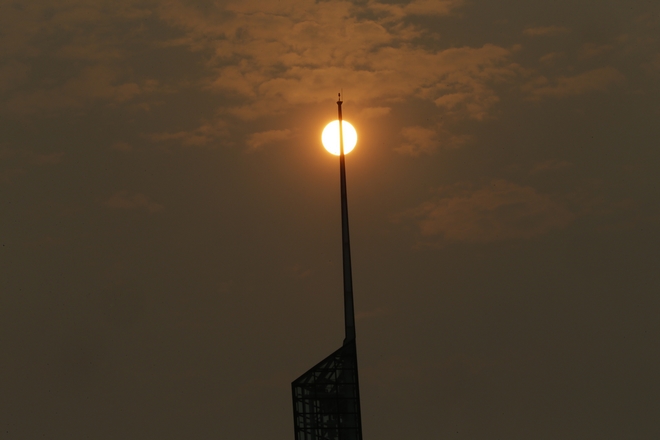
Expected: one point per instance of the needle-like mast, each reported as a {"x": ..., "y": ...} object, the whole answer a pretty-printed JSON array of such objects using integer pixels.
[
  {"x": 349, "y": 312},
  {"x": 326, "y": 398}
]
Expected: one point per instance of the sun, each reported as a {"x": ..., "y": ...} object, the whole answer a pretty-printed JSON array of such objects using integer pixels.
[{"x": 330, "y": 137}]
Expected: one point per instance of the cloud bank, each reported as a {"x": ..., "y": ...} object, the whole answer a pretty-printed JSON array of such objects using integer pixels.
[{"x": 498, "y": 211}]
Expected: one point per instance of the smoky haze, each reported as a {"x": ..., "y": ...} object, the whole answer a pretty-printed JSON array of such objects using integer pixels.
[{"x": 170, "y": 233}]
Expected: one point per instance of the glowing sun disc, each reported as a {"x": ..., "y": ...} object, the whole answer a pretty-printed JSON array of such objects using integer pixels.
[{"x": 330, "y": 137}]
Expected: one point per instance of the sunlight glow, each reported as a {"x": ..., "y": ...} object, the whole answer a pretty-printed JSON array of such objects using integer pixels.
[{"x": 330, "y": 137}]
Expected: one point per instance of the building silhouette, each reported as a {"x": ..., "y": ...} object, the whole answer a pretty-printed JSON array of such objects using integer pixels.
[{"x": 326, "y": 399}]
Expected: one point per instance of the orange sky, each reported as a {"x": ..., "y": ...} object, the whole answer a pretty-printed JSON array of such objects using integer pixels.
[{"x": 170, "y": 230}]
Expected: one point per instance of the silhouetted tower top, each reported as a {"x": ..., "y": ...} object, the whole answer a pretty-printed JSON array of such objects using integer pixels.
[
  {"x": 326, "y": 398},
  {"x": 349, "y": 310}
]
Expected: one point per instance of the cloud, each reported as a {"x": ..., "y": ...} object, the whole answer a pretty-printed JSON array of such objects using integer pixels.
[
  {"x": 416, "y": 7},
  {"x": 551, "y": 58},
  {"x": 591, "y": 50},
  {"x": 258, "y": 140},
  {"x": 24, "y": 26},
  {"x": 501, "y": 210},
  {"x": 274, "y": 55},
  {"x": 137, "y": 201},
  {"x": 262, "y": 57},
  {"x": 200, "y": 136},
  {"x": 70, "y": 53},
  {"x": 431, "y": 7},
  {"x": 596, "y": 80},
  {"x": 374, "y": 112},
  {"x": 420, "y": 140},
  {"x": 97, "y": 82},
  {"x": 546, "y": 31}
]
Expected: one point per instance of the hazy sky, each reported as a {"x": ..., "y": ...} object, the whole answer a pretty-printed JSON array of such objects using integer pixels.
[{"x": 170, "y": 230}]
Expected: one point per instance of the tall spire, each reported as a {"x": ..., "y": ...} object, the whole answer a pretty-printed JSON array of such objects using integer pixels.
[
  {"x": 326, "y": 399},
  {"x": 349, "y": 311}
]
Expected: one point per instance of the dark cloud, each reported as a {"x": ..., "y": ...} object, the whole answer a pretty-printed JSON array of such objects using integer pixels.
[
  {"x": 498, "y": 211},
  {"x": 258, "y": 140},
  {"x": 594, "y": 80},
  {"x": 418, "y": 140},
  {"x": 205, "y": 134},
  {"x": 546, "y": 31}
]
